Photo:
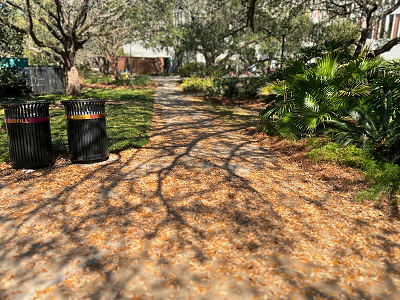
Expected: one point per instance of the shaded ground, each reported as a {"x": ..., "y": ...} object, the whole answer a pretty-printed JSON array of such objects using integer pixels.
[{"x": 201, "y": 212}]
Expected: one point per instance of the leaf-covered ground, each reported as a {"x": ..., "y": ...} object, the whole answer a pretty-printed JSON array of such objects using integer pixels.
[{"x": 201, "y": 212}]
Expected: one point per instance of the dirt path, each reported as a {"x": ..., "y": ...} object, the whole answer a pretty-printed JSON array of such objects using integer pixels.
[{"x": 201, "y": 212}]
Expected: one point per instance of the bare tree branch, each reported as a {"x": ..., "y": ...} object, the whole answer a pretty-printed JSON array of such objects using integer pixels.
[{"x": 386, "y": 47}]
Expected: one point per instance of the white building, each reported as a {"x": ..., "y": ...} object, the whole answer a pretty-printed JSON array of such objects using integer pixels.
[{"x": 138, "y": 50}]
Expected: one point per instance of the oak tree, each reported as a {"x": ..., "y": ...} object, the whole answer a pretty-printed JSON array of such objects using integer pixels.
[{"x": 69, "y": 24}]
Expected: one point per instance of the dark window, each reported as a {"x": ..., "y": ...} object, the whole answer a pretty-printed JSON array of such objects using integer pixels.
[
  {"x": 382, "y": 32},
  {"x": 389, "y": 32}
]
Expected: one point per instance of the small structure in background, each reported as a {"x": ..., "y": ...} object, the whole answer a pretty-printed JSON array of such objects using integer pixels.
[
  {"x": 45, "y": 80},
  {"x": 142, "y": 65},
  {"x": 141, "y": 60},
  {"x": 37, "y": 79}
]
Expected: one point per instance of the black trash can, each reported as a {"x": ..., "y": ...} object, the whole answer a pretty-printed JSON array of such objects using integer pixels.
[
  {"x": 86, "y": 126},
  {"x": 29, "y": 135}
]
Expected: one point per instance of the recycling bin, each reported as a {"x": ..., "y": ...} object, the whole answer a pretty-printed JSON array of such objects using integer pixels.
[
  {"x": 29, "y": 135},
  {"x": 86, "y": 128}
]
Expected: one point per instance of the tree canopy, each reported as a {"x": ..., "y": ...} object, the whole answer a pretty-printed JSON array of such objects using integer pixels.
[
  {"x": 365, "y": 14},
  {"x": 64, "y": 26},
  {"x": 11, "y": 41}
]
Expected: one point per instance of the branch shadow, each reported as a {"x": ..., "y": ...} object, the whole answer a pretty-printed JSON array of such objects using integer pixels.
[{"x": 200, "y": 211}]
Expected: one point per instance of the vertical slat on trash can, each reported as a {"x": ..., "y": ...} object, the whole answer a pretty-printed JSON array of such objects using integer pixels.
[
  {"x": 86, "y": 126},
  {"x": 29, "y": 135}
]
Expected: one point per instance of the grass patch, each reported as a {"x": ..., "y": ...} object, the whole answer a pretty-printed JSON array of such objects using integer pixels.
[
  {"x": 99, "y": 78},
  {"x": 140, "y": 80},
  {"x": 93, "y": 79},
  {"x": 384, "y": 177},
  {"x": 129, "y": 114}
]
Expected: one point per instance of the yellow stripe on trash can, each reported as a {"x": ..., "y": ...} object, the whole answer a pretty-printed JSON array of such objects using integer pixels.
[{"x": 85, "y": 117}]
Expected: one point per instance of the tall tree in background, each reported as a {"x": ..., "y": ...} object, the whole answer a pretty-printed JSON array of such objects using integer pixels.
[
  {"x": 225, "y": 31},
  {"x": 12, "y": 81},
  {"x": 367, "y": 14},
  {"x": 107, "y": 47},
  {"x": 212, "y": 28},
  {"x": 137, "y": 24},
  {"x": 69, "y": 24},
  {"x": 277, "y": 23},
  {"x": 10, "y": 40}
]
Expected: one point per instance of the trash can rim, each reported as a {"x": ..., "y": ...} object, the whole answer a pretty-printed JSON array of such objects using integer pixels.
[
  {"x": 83, "y": 100},
  {"x": 4, "y": 104}
]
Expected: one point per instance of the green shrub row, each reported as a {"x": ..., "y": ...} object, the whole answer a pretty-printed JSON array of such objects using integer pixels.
[
  {"x": 236, "y": 87},
  {"x": 196, "y": 84},
  {"x": 199, "y": 69},
  {"x": 140, "y": 80},
  {"x": 233, "y": 88}
]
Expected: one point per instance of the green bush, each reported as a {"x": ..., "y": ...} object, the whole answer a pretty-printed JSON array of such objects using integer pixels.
[
  {"x": 84, "y": 71},
  {"x": 123, "y": 82},
  {"x": 349, "y": 156},
  {"x": 192, "y": 69},
  {"x": 236, "y": 87},
  {"x": 227, "y": 87},
  {"x": 319, "y": 97},
  {"x": 105, "y": 79},
  {"x": 13, "y": 82},
  {"x": 141, "y": 80},
  {"x": 195, "y": 84}
]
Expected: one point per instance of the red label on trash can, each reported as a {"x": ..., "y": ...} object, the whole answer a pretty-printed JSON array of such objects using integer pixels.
[
  {"x": 27, "y": 120},
  {"x": 85, "y": 117}
]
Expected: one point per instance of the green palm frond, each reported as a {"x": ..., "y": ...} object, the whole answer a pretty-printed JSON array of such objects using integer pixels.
[
  {"x": 357, "y": 102},
  {"x": 277, "y": 88},
  {"x": 276, "y": 109}
]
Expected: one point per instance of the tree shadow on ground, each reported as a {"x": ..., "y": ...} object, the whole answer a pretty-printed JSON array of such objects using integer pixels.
[{"x": 200, "y": 211}]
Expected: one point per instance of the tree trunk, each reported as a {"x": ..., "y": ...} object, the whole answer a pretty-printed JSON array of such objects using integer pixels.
[
  {"x": 72, "y": 76},
  {"x": 106, "y": 66},
  {"x": 115, "y": 74},
  {"x": 366, "y": 27},
  {"x": 209, "y": 60},
  {"x": 114, "y": 65},
  {"x": 362, "y": 41}
]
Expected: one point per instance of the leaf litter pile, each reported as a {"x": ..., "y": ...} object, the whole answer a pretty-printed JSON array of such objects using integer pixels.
[{"x": 201, "y": 212}]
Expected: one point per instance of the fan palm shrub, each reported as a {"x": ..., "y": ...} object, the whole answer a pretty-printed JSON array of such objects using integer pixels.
[
  {"x": 357, "y": 102},
  {"x": 315, "y": 94},
  {"x": 373, "y": 125}
]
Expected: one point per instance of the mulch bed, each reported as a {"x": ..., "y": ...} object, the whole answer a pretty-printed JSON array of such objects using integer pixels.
[{"x": 251, "y": 104}]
